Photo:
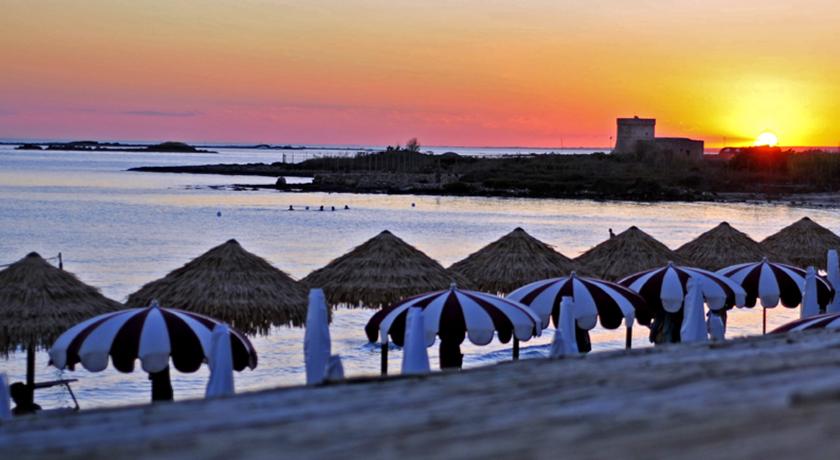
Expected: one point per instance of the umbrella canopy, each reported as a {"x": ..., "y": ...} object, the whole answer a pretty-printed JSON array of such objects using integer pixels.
[
  {"x": 721, "y": 247},
  {"x": 233, "y": 285},
  {"x": 39, "y": 301},
  {"x": 611, "y": 302},
  {"x": 152, "y": 335},
  {"x": 453, "y": 314},
  {"x": 824, "y": 321},
  {"x": 628, "y": 252},
  {"x": 511, "y": 261},
  {"x": 664, "y": 289},
  {"x": 773, "y": 282},
  {"x": 379, "y": 272},
  {"x": 804, "y": 243}
]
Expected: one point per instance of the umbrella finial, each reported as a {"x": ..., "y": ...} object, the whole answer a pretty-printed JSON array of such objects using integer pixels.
[
  {"x": 573, "y": 274},
  {"x": 764, "y": 260},
  {"x": 453, "y": 286},
  {"x": 154, "y": 304}
]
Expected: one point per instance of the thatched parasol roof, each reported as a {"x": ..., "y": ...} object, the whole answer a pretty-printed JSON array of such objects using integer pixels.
[
  {"x": 512, "y": 261},
  {"x": 39, "y": 301},
  {"x": 232, "y": 285},
  {"x": 723, "y": 246},
  {"x": 629, "y": 252},
  {"x": 803, "y": 243},
  {"x": 379, "y": 272}
]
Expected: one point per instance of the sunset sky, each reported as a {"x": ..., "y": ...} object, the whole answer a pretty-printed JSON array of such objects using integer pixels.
[{"x": 505, "y": 73}]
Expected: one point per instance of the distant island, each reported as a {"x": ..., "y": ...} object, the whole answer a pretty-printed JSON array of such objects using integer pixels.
[
  {"x": 750, "y": 174},
  {"x": 86, "y": 146}
]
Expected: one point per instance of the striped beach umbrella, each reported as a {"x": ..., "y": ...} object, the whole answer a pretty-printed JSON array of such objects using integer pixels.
[
  {"x": 452, "y": 315},
  {"x": 772, "y": 283},
  {"x": 664, "y": 288},
  {"x": 824, "y": 321},
  {"x": 154, "y": 335},
  {"x": 611, "y": 303}
]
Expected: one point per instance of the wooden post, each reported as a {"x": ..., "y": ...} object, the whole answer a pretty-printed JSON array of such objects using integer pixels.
[
  {"x": 515, "y": 349},
  {"x": 628, "y": 341},
  {"x": 763, "y": 320},
  {"x": 30, "y": 371},
  {"x": 384, "y": 364}
]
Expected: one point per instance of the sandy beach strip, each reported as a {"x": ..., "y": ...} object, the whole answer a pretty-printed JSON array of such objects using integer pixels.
[{"x": 761, "y": 397}]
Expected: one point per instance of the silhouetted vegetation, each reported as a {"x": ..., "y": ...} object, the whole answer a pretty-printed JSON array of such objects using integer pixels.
[{"x": 599, "y": 175}]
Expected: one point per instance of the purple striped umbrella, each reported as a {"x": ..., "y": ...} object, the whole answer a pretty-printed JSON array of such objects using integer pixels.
[
  {"x": 452, "y": 315},
  {"x": 824, "y": 321},
  {"x": 153, "y": 335},
  {"x": 664, "y": 288},
  {"x": 772, "y": 283},
  {"x": 593, "y": 298}
]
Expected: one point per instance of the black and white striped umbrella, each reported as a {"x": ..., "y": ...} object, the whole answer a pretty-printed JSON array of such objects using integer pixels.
[
  {"x": 454, "y": 314},
  {"x": 153, "y": 335},
  {"x": 772, "y": 283},
  {"x": 824, "y": 321},
  {"x": 609, "y": 302},
  {"x": 665, "y": 288}
]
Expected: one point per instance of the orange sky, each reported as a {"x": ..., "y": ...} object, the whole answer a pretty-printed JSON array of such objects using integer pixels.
[{"x": 529, "y": 73}]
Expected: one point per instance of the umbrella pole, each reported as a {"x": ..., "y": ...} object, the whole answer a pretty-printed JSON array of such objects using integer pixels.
[
  {"x": 30, "y": 371},
  {"x": 384, "y": 363},
  {"x": 763, "y": 320},
  {"x": 515, "y": 349},
  {"x": 628, "y": 340},
  {"x": 161, "y": 385}
]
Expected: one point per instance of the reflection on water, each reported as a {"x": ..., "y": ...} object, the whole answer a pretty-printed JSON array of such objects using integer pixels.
[{"x": 118, "y": 230}]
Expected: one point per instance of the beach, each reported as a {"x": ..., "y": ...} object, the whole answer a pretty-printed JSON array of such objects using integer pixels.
[{"x": 758, "y": 397}]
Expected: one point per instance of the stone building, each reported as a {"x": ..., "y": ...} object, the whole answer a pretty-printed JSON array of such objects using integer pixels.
[
  {"x": 632, "y": 131},
  {"x": 638, "y": 135}
]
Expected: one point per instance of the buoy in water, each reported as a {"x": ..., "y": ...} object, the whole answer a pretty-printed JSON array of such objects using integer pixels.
[
  {"x": 346, "y": 207},
  {"x": 218, "y": 213},
  {"x": 291, "y": 208}
]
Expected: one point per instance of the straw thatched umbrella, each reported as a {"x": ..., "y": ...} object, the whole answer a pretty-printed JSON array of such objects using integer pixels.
[
  {"x": 804, "y": 243},
  {"x": 512, "y": 261},
  {"x": 723, "y": 246},
  {"x": 233, "y": 285},
  {"x": 379, "y": 272},
  {"x": 38, "y": 302},
  {"x": 629, "y": 252}
]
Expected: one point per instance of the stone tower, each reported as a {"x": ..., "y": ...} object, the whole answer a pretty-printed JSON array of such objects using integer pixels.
[{"x": 631, "y": 131}]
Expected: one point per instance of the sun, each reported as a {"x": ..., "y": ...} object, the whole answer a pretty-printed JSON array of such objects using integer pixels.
[{"x": 767, "y": 139}]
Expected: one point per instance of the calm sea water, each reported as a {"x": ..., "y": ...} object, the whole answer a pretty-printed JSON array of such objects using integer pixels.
[{"x": 118, "y": 230}]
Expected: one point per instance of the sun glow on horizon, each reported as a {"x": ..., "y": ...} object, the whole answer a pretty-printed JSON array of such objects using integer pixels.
[{"x": 767, "y": 139}]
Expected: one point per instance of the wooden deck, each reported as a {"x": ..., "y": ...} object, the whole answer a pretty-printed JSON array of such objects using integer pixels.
[{"x": 764, "y": 397}]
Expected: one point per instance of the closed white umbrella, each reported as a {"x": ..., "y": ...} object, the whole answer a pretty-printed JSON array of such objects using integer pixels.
[
  {"x": 316, "y": 340},
  {"x": 810, "y": 305},
  {"x": 833, "y": 268},
  {"x": 220, "y": 362},
  {"x": 415, "y": 355},
  {"x": 717, "y": 330},
  {"x": 693, "y": 328},
  {"x": 5, "y": 402},
  {"x": 564, "y": 343}
]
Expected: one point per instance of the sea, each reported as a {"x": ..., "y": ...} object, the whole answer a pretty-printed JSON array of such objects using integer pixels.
[{"x": 117, "y": 230}]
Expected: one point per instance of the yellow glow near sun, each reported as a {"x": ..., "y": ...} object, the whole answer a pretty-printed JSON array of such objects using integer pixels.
[{"x": 767, "y": 139}]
